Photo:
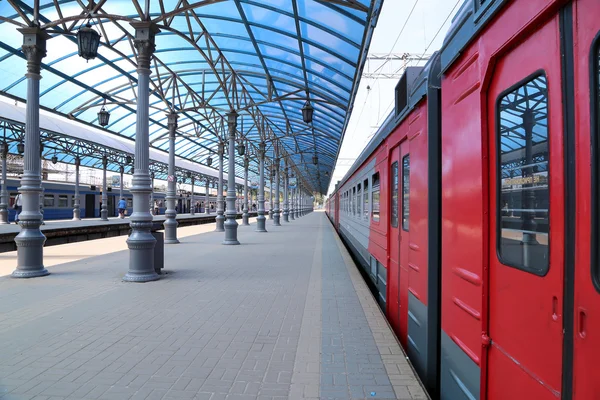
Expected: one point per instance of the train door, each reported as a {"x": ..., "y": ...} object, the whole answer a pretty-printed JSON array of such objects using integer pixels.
[
  {"x": 394, "y": 254},
  {"x": 111, "y": 205},
  {"x": 398, "y": 273},
  {"x": 90, "y": 205},
  {"x": 403, "y": 205},
  {"x": 526, "y": 208},
  {"x": 586, "y": 369}
]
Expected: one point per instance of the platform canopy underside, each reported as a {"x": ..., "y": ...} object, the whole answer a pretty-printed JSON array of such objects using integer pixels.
[{"x": 263, "y": 59}]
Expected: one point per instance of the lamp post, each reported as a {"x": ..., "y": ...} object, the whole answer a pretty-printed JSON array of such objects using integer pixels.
[
  {"x": 77, "y": 204},
  {"x": 271, "y": 192},
  {"x": 207, "y": 197},
  {"x": 286, "y": 210},
  {"x": 3, "y": 191},
  {"x": 261, "y": 220},
  {"x": 30, "y": 240},
  {"x": 231, "y": 224},
  {"x": 220, "y": 209},
  {"x": 141, "y": 242},
  {"x": 171, "y": 223},
  {"x": 121, "y": 172},
  {"x": 192, "y": 205}
]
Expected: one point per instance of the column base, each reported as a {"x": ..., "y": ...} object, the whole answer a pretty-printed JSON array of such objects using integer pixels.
[
  {"x": 245, "y": 219},
  {"x": 30, "y": 273},
  {"x": 135, "y": 277},
  {"x": 172, "y": 241},
  {"x": 231, "y": 227},
  {"x": 261, "y": 223},
  {"x": 271, "y": 215},
  {"x": 4, "y": 217},
  {"x": 220, "y": 227}
]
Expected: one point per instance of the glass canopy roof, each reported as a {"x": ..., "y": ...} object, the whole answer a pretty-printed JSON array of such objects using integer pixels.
[{"x": 262, "y": 58}]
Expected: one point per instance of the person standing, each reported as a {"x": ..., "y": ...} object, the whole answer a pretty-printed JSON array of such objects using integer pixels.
[
  {"x": 18, "y": 207},
  {"x": 122, "y": 206}
]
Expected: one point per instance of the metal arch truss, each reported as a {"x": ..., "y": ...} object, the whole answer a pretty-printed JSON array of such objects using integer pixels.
[{"x": 204, "y": 105}]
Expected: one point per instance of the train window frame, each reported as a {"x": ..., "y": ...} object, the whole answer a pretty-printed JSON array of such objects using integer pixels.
[
  {"x": 405, "y": 203},
  {"x": 49, "y": 197},
  {"x": 498, "y": 177},
  {"x": 394, "y": 193},
  {"x": 64, "y": 197},
  {"x": 366, "y": 210},
  {"x": 595, "y": 145},
  {"x": 375, "y": 190}
]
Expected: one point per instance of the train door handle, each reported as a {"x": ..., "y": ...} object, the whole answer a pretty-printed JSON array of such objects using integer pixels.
[
  {"x": 582, "y": 323},
  {"x": 555, "y": 308}
]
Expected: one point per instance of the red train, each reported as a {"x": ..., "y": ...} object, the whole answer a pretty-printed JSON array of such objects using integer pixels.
[{"x": 491, "y": 154}]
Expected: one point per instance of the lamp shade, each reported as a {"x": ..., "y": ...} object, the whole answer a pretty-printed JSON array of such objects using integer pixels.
[
  {"x": 209, "y": 161},
  {"x": 128, "y": 159},
  {"x": 103, "y": 117},
  {"x": 54, "y": 159},
  {"x": 21, "y": 147},
  {"x": 241, "y": 149},
  {"x": 307, "y": 112},
  {"x": 88, "y": 41},
  {"x": 315, "y": 159}
]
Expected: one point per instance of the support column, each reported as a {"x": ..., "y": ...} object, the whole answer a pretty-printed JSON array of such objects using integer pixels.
[
  {"x": 104, "y": 209},
  {"x": 76, "y": 202},
  {"x": 292, "y": 204},
  {"x": 261, "y": 220},
  {"x": 231, "y": 224},
  {"x": 3, "y": 191},
  {"x": 207, "y": 198},
  {"x": 141, "y": 242},
  {"x": 276, "y": 210},
  {"x": 245, "y": 215},
  {"x": 171, "y": 223},
  {"x": 192, "y": 203},
  {"x": 286, "y": 210},
  {"x": 151, "y": 208},
  {"x": 121, "y": 172},
  {"x": 30, "y": 241},
  {"x": 271, "y": 195},
  {"x": 220, "y": 218}
]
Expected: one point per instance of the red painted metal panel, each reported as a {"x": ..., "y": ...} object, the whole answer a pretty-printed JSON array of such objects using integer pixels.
[
  {"x": 587, "y": 299},
  {"x": 393, "y": 278},
  {"x": 404, "y": 252}
]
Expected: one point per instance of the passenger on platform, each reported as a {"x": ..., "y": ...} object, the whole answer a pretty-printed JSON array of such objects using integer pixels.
[
  {"x": 18, "y": 206},
  {"x": 122, "y": 206}
]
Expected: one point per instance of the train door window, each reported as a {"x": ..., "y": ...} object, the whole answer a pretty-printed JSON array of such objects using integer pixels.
[
  {"x": 358, "y": 202},
  {"x": 354, "y": 200},
  {"x": 129, "y": 203},
  {"x": 63, "y": 200},
  {"x": 405, "y": 191},
  {"x": 522, "y": 213},
  {"x": 375, "y": 197},
  {"x": 366, "y": 199},
  {"x": 596, "y": 160},
  {"x": 48, "y": 200},
  {"x": 394, "y": 193}
]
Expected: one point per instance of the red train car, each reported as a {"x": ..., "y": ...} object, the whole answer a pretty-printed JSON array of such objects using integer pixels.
[{"x": 474, "y": 210}]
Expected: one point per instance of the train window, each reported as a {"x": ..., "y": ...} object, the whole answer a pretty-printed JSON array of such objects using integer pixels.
[
  {"x": 63, "y": 200},
  {"x": 129, "y": 203},
  {"x": 405, "y": 191},
  {"x": 48, "y": 200},
  {"x": 394, "y": 193},
  {"x": 358, "y": 202},
  {"x": 596, "y": 161},
  {"x": 366, "y": 199},
  {"x": 354, "y": 200},
  {"x": 522, "y": 213},
  {"x": 375, "y": 197}
]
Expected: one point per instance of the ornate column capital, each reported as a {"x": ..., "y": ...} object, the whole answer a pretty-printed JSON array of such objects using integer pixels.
[
  {"x": 232, "y": 123},
  {"x": 221, "y": 149},
  {"x": 246, "y": 163},
  {"x": 104, "y": 162},
  {"x": 143, "y": 42},
  {"x": 172, "y": 121},
  {"x": 34, "y": 48}
]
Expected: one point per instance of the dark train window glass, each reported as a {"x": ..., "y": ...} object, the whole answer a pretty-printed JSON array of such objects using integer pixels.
[
  {"x": 129, "y": 203},
  {"x": 354, "y": 200},
  {"x": 48, "y": 200},
  {"x": 366, "y": 199},
  {"x": 358, "y": 201},
  {"x": 596, "y": 161},
  {"x": 63, "y": 200},
  {"x": 375, "y": 197},
  {"x": 523, "y": 198},
  {"x": 394, "y": 193},
  {"x": 405, "y": 191}
]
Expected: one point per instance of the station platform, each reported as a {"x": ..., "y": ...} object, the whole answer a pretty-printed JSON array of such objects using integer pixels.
[
  {"x": 69, "y": 231},
  {"x": 284, "y": 315}
]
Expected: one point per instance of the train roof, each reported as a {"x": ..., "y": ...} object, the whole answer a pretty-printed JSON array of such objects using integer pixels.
[
  {"x": 471, "y": 18},
  {"x": 418, "y": 81}
]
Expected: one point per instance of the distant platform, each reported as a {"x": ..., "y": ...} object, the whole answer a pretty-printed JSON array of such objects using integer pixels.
[
  {"x": 284, "y": 315},
  {"x": 69, "y": 231}
]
